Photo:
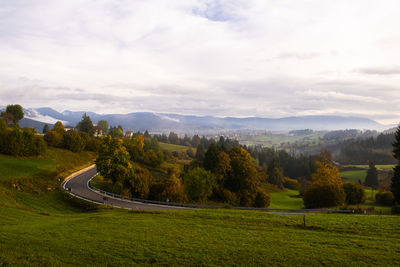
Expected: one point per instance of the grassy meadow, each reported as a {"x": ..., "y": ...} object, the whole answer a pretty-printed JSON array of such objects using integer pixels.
[
  {"x": 43, "y": 228},
  {"x": 353, "y": 175},
  {"x": 172, "y": 147},
  {"x": 286, "y": 200}
]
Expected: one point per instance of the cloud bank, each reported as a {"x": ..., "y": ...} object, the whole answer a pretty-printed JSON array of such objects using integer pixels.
[{"x": 224, "y": 58}]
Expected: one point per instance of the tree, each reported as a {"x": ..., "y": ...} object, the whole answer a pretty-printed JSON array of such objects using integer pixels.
[
  {"x": 140, "y": 182},
  {"x": 326, "y": 189},
  {"x": 384, "y": 198},
  {"x": 73, "y": 141},
  {"x": 211, "y": 157},
  {"x": 195, "y": 140},
  {"x": 395, "y": 185},
  {"x": 113, "y": 161},
  {"x": 174, "y": 190},
  {"x": 45, "y": 128},
  {"x": 262, "y": 200},
  {"x": 103, "y": 125},
  {"x": 242, "y": 179},
  {"x": 275, "y": 174},
  {"x": 3, "y": 125},
  {"x": 355, "y": 193},
  {"x": 291, "y": 183},
  {"x": 323, "y": 195},
  {"x": 223, "y": 167},
  {"x": 21, "y": 142},
  {"x": 327, "y": 173},
  {"x": 53, "y": 138},
  {"x": 200, "y": 153},
  {"x": 173, "y": 138},
  {"x": 59, "y": 127},
  {"x": 115, "y": 132},
  {"x": 16, "y": 111},
  {"x": 371, "y": 179},
  {"x": 86, "y": 125},
  {"x": 199, "y": 184}
]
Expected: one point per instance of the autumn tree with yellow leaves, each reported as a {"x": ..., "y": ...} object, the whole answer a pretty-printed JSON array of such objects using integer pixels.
[{"x": 326, "y": 189}]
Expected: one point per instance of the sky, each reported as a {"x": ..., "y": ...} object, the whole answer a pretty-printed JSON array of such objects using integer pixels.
[{"x": 263, "y": 58}]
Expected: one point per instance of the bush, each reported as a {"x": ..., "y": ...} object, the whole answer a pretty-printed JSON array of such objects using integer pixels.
[
  {"x": 156, "y": 190},
  {"x": 53, "y": 138},
  {"x": 396, "y": 209},
  {"x": 384, "y": 198},
  {"x": 17, "y": 142},
  {"x": 199, "y": 184},
  {"x": 3, "y": 125},
  {"x": 262, "y": 200},
  {"x": 139, "y": 184},
  {"x": 323, "y": 195},
  {"x": 355, "y": 193},
  {"x": 152, "y": 159},
  {"x": 229, "y": 197},
  {"x": 291, "y": 183},
  {"x": 246, "y": 199},
  {"x": 73, "y": 141},
  {"x": 93, "y": 144}
]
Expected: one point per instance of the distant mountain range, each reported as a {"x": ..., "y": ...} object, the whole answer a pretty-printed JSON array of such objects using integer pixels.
[{"x": 163, "y": 122}]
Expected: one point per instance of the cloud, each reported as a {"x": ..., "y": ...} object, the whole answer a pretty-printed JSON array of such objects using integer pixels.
[
  {"x": 380, "y": 70},
  {"x": 206, "y": 57},
  {"x": 334, "y": 96}
]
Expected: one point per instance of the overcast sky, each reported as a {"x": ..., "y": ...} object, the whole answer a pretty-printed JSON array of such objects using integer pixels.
[{"x": 223, "y": 58}]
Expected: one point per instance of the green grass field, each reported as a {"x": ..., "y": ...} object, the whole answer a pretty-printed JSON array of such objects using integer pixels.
[
  {"x": 276, "y": 140},
  {"x": 286, "y": 200},
  {"x": 66, "y": 161},
  {"x": 384, "y": 167},
  {"x": 45, "y": 229},
  {"x": 172, "y": 147},
  {"x": 354, "y": 175},
  {"x": 195, "y": 237}
]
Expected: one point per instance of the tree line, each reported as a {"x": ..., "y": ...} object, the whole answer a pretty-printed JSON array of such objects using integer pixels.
[{"x": 15, "y": 141}]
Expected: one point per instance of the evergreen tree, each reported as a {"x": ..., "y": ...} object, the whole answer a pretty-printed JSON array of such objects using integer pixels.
[
  {"x": 395, "y": 186},
  {"x": 45, "y": 128},
  {"x": 200, "y": 153},
  {"x": 86, "y": 125},
  {"x": 372, "y": 176},
  {"x": 211, "y": 157},
  {"x": 275, "y": 173}
]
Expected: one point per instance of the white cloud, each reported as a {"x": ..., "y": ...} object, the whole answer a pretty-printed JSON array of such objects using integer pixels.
[{"x": 226, "y": 58}]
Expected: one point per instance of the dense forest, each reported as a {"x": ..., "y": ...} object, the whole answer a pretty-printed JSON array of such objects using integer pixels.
[{"x": 362, "y": 151}]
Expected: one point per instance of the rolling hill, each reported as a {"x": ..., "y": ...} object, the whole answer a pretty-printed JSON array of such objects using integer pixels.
[{"x": 162, "y": 122}]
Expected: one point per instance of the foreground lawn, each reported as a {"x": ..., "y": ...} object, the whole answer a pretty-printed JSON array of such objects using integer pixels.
[{"x": 196, "y": 237}]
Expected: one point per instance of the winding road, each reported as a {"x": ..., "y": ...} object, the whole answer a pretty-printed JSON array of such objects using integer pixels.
[{"x": 78, "y": 186}]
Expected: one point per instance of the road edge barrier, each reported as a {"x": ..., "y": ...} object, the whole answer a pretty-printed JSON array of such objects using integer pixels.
[{"x": 163, "y": 203}]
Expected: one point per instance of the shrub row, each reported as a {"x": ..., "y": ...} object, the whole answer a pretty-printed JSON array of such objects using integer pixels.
[{"x": 21, "y": 142}]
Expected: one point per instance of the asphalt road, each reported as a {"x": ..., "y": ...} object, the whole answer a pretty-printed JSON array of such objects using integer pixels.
[{"x": 78, "y": 185}]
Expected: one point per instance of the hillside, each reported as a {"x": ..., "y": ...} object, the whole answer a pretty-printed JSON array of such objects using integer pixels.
[
  {"x": 160, "y": 122},
  {"x": 39, "y": 227}
]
